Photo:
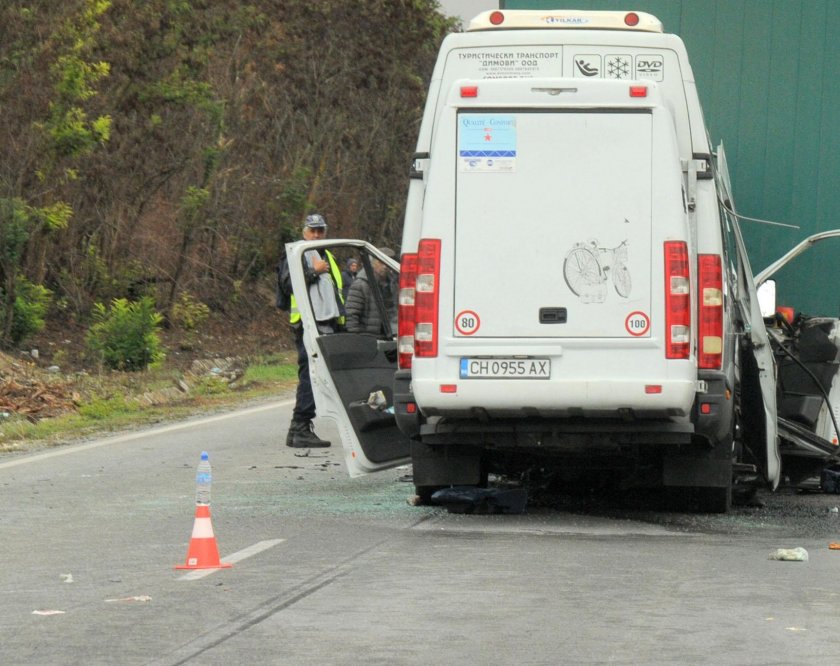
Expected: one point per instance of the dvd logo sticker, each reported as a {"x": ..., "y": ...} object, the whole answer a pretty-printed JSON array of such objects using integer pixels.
[{"x": 650, "y": 67}]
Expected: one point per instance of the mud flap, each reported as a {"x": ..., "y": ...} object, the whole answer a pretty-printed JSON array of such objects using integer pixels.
[
  {"x": 698, "y": 471},
  {"x": 445, "y": 465}
]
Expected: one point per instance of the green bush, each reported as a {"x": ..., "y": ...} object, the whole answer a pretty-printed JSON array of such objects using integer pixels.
[
  {"x": 126, "y": 334},
  {"x": 103, "y": 408},
  {"x": 188, "y": 313},
  {"x": 31, "y": 304},
  {"x": 210, "y": 386}
]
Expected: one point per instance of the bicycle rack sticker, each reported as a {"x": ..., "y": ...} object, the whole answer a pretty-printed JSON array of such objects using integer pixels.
[
  {"x": 467, "y": 322},
  {"x": 588, "y": 266},
  {"x": 637, "y": 323}
]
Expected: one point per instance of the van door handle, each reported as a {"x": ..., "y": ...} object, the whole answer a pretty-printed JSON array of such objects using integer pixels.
[{"x": 552, "y": 315}]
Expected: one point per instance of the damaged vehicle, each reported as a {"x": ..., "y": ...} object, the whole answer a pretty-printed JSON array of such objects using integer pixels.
[
  {"x": 575, "y": 295},
  {"x": 807, "y": 352}
]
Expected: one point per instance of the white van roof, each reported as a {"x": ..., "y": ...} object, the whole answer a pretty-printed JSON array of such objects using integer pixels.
[{"x": 565, "y": 19}]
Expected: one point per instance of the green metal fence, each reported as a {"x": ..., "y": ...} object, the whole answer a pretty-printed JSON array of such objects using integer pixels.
[{"x": 768, "y": 75}]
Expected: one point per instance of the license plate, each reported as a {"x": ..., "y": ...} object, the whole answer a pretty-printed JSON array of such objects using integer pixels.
[{"x": 505, "y": 368}]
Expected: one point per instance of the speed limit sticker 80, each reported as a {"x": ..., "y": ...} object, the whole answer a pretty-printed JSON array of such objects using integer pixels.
[
  {"x": 637, "y": 323},
  {"x": 467, "y": 322}
]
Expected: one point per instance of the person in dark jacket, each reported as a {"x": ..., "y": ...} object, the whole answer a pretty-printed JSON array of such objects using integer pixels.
[
  {"x": 364, "y": 314},
  {"x": 348, "y": 275}
]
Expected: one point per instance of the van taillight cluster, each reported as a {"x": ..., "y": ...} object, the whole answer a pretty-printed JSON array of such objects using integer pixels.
[
  {"x": 677, "y": 303},
  {"x": 678, "y": 306},
  {"x": 405, "y": 309},
  {"x": 710, "y": 311},
  {"x": 418, "y": 302}
]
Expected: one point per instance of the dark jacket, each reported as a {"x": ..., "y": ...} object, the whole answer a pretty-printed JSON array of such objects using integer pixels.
[{"x": 363, "y": 315}]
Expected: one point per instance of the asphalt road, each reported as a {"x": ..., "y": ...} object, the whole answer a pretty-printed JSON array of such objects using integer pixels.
[{"x": 329, "y": 570}]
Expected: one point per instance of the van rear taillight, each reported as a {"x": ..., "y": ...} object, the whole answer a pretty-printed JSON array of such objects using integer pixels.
[
  {"x": 426, "y": 297},
  {"x": 710, "y": 311},
  {"x": 677, "y": 300},
  {"x": 405, "y": 310}
]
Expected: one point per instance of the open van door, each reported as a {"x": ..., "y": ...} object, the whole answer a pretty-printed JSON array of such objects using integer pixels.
[
  {"x": 757, "y": 365},
  {"x": 352, "y": 373}
]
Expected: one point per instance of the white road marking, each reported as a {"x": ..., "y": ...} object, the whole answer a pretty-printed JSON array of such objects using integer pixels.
[
  {"x": 258, "y": 547},
  {"x": 138, "y": 435}
]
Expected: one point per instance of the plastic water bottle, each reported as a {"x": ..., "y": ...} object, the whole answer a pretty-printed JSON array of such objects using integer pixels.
[{"x": 203, "y": 479}]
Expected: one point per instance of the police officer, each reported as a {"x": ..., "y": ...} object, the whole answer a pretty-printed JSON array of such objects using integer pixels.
[{"x": 322, "y": 272}]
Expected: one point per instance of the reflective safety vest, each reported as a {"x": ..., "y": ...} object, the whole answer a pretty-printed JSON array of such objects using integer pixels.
[{"x": 335, "y": 272}]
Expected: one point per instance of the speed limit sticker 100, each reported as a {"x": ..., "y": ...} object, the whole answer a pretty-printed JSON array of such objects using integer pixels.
[
  {"x": 637, "y": 323},
  {"x": 467, "y": 322}
]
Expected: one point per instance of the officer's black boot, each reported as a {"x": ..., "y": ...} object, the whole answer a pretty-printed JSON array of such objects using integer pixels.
[{"x": 302, "y": 436}]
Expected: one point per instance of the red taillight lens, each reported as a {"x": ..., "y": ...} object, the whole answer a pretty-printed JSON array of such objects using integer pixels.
[
  {"x": 677, "y": 300},
  {"x": 497, "y": 18},
  {"x": 631, "y": 19},
  {"x": 638, "y": 91},
  {"x": 405, "y": 310},
  {"x": 709, "y": 311},
  {"x": 469, "y": 91},
  {"x": 426, "y": 296}
]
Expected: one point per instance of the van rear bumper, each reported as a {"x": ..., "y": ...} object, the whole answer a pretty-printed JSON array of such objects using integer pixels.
[
  {"x": 558, "y": 434},
  {"x": 714, "y": 412},
  {"x": 708, "y": 414},
  {"x": 406, "y": 412},
  {"x": 556, "y": 398}
]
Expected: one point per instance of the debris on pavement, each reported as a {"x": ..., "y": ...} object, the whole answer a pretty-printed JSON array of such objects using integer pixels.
[
  {"x": 830, "y": 479},
  {"x": 140, "y": 598},
  {"x": 469, "y": 499},
  {"x": 307, "y": 453},
  {"x": 789, "y": 555},
  {"x": 48, "y": 612},
  {"x": 67, "y": 578}
]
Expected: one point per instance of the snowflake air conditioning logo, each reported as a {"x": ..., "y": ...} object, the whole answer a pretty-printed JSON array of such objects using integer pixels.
[{"x": 618, "y": 67}]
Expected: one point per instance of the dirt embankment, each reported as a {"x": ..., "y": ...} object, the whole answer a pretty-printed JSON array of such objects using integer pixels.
[
  {"x": 54, "y": 373},
  {"x": 33, "y": 392}
]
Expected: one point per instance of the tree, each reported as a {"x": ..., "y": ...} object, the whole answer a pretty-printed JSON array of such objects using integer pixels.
[
  {"x": 31, "y": 206},
  {"x": 186, "y": 140}
]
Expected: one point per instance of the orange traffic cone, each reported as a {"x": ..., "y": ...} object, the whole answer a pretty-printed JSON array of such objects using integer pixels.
[{"x": 203, "y": 552}]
